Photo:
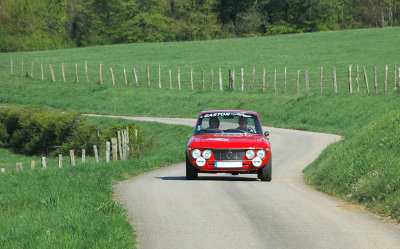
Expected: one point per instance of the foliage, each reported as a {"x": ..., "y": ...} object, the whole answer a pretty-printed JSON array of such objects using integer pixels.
[
  {"x": 34, "y": 131},
  {"x": 50, "y": 24}
]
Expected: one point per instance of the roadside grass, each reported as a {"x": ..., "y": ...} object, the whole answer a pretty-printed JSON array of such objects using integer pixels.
[
  {"x": 364, "y": 169},
  {"x": 73, "y": 207}
]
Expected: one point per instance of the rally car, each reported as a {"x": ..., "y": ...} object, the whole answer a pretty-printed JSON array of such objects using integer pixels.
[{"x": 229, "y": 141}]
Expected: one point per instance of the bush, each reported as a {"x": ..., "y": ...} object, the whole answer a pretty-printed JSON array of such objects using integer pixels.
[{"x": 34, "y": 131}]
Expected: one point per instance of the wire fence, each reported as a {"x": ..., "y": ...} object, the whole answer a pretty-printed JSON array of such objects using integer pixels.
[{"x": 354, "y": 78}]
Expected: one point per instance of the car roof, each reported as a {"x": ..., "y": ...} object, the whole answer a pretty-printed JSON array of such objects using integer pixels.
[{"x": 213, "y": 111}]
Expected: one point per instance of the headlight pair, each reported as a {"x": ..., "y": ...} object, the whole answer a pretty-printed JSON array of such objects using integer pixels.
[
  {"x": 196, "y": 153},
  {"x": 250, "y": 154}
]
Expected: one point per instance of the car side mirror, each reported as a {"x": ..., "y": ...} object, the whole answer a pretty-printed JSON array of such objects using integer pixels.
[{"x": 266, "y": 134}]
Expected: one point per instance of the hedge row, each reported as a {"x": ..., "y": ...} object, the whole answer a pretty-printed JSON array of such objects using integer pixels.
[{"x": 34, "y": 131}]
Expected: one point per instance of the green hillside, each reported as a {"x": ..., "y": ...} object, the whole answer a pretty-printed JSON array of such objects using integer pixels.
[
  {"x": 367, "y": 47},
  {"x": 362, "y": 168}
]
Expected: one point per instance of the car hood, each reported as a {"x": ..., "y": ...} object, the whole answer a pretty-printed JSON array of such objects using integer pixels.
[{"x": 228, "y": 141}]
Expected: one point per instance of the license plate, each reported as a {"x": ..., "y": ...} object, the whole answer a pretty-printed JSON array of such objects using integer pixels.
[{"x": 228, "y": 165}]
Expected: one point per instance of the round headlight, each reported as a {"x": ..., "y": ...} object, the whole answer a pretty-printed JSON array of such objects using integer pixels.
[
  {"x": 207, "y": 154},
  {"x": 250, "y": 154},
  {"x": 196, "y": 153},
  {"x": 261, "y": 154}
]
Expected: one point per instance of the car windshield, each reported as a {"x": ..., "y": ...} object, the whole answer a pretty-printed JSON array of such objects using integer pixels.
[{"x": 228, "y": 122}]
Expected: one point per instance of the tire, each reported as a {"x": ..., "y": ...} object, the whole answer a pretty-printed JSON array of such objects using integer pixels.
[
  {"x": 191, "y": 171},
  {"x": 265, "y": 173}
]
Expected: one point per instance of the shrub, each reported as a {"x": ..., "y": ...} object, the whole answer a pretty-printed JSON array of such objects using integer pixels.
[{"x": 34, "y": 131}]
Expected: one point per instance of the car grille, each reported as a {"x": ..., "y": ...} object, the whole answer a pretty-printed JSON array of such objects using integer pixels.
[{"x": 228, "y": 155}]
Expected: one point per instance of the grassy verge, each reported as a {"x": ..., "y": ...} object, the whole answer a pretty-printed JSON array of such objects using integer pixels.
[
  {"x": 364, "y": 169},
  {"x": 72, "y": 207}
]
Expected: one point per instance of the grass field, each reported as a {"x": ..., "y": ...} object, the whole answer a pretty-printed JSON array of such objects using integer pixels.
[
  {"x": 371, "y": 47},
  {"x": 73, "y": 207},
  {"x": 362, "y": 168}
]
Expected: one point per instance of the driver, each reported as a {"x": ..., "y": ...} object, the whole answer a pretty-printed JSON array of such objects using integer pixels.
[
  {"x": 243, "y": 122},
  {"x": 213, "y": 123}
]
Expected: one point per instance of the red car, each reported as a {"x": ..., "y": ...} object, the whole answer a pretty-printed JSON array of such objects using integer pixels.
[{"x": 229, "y": 142}]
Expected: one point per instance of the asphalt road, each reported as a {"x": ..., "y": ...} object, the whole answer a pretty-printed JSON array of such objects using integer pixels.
[{"x": 225, "y": 211}]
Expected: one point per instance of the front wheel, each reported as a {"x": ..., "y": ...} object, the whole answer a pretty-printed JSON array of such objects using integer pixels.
[
  {"x": 191, "y": 171},
  {"x": 265, "y": 173}
]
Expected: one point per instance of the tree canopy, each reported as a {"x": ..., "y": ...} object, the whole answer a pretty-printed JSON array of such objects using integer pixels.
[{"x": 49, "y": 24}]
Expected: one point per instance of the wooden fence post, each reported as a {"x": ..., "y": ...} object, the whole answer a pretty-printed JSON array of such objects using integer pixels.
[
  {"x": 101, "y": 74},
  {"x": 375, "y": 80},
  {"x": 230, "y": 80},
  {"x": 358, "y": 79},
  {"x": 212, "y": 78},
  {"x": 86, "y": 72},
  {"x": 148, "y": 76},
  {"x": 126, "y": 79},
  {"x": 44, "y": 163},
  {"x": 127, "y": 142},
  {"x": 386, "y": 77},
  {"x": 253, "y": 73},
  {"x": 114, "y": 149},
  {"x": 18, "y": 167},
  {"x": 170, "y": 78},
  {"x": 307, "y": 82},
  {"x": 122, "y": 154},
  {"x": 334, "y": 80},
  {"x": 96, "y": 153},
  {"x": 263, "y": 80},
  {"x": 135, "y": 75},
  {"x": 350, "y": 86},
  {"x": 320, "y": 78},
  {"x": 242, "y": 78},
  {"x": 31, "y": 70},
  {"x": 63, "y": 71},
  {"x": 284, "y": 79},
  {"x": 76, "y": 73},
  {"x": 191, "y": 78},
  {"x": 275, "y": 81},
  {"x": 33, "y": 164},
  {"x": 41, "y": 67},
  {"x": 398, "y": 68},
  {"x": 366, "y": 79},
  {"x": 22, "y": 68},
  {"x": 83, "y": 156},
  {"x": 72, "y": 157},
  {"x": 395, "y": 78},
  {"x": 12, "y": 66},
  {"x": 112, "y": 76},
  {"x": 220, "y": 79},
  {"x": 108, "y": 145},
  {"x": 202, "y": 80},
  {"x": 179, "y": 78},
  {"x": 119, "y": 144},
  {"x": 52, "y": 73},
  {"x": 298, "y": 82},
  {"x": 159, "y": 75},
  {"x": 60, "y": 161}
]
